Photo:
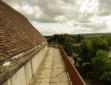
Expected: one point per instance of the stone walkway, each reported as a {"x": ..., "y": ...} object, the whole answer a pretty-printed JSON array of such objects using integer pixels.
[{"x": 53, "y": 71}]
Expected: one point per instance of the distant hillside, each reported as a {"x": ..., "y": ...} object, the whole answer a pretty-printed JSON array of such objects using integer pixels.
[
  {"x": 95, "y": 34},
  {"x": 85, "y": 34}
]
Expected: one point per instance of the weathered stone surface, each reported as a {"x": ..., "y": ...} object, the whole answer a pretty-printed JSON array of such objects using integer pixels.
[
  {"x": 21, "y": 71},
  {"x": 16, "y": 33},
  {"x": 53, "y": 70}
]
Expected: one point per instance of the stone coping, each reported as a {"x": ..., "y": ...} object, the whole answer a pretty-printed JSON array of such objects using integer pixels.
[{"x": 7, "y": 71}]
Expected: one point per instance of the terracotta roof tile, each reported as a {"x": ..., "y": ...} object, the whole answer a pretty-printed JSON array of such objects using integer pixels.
[{"x": 16, "y": 33}]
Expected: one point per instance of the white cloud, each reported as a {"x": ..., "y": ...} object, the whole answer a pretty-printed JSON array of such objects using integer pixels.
[
  {"x": 66, "y": 16},
  {"x": 90, "y": 6}
]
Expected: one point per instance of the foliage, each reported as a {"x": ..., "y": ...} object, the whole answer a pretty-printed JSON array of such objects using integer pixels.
[
  {"x": 101, "y": 66},
  {"x": 89, "y": 47},
  {"x": 94, "y": 54},
  {"x": 93, "y": 58},
  {"x": 75, "y": 57},
  {"x": 99, "y": 43},
  {"x": 68, "y": 47},
  {"x": 66, "y": 41},
  {"x": 86, "y": 50}
]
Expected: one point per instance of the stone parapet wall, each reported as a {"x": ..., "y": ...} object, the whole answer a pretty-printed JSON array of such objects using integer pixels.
[
  {"x": 21, "y": 69},
  {"x": 74, "y": 75}
]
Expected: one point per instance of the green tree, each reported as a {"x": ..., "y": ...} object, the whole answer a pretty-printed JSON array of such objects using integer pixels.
[
  {"x": 89, "y": 47},
  {"x": 99, "y": 43},
  {"x": 75, "y": 57},
  {"x": 101, "y": 66},
  {"x": 68, "y": 47},
  {"x": 86, "y": 50}
]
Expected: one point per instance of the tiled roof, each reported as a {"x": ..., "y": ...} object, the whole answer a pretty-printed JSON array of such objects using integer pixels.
[{"x": 16, "y": 33}]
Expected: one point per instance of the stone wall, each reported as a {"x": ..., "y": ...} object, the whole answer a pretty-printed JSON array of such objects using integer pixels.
[{"x": 23, "y": 72}]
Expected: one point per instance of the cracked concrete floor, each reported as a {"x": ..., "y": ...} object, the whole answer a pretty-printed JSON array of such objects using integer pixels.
[{"x": 52, "y": 71}]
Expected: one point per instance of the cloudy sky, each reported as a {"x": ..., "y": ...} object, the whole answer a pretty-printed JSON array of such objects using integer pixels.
[{"x": 66, "y": 16}]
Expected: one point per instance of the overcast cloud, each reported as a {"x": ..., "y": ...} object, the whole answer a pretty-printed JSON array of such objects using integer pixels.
[{"x": 66, "y": 16}]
